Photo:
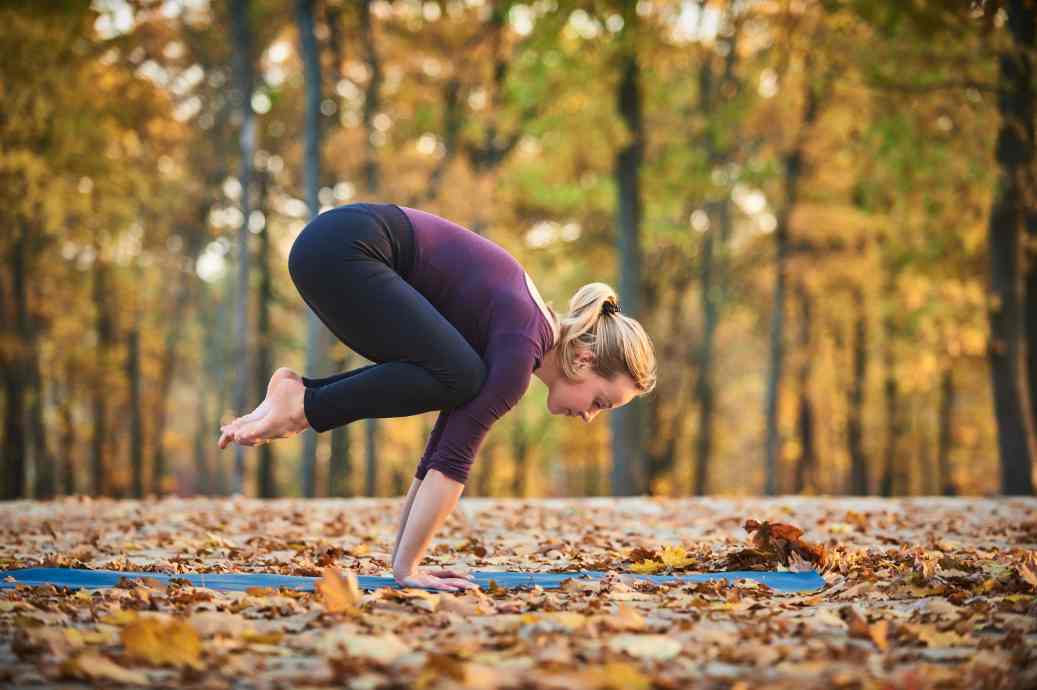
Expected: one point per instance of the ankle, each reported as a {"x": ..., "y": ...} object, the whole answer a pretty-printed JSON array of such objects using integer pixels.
[{"x": 298, "y": 413}]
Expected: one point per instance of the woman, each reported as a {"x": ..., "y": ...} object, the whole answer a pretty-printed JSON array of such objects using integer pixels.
[{"x": 453, "y": 323}]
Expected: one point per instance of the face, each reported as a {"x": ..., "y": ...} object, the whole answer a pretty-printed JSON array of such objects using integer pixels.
[{"x": 589, "y": 396}]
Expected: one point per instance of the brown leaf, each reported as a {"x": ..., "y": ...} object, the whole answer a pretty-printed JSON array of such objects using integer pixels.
[
  {"x": 339, "y": 592},
  {"x": 779, "y": 539}
]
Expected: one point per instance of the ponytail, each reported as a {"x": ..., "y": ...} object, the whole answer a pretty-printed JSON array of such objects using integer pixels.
[{"x": 619, "y": 343}]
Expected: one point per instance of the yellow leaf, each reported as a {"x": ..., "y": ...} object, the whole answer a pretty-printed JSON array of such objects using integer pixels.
[
  {"x": 647, "y": 566},
  {"x": 676, "y": 557},
  {"x": 339, "y": 593},
  {"x": 617, "y": 675},
  {"x": 269, "y": 637},
  {"x": 120, "y": 617},
  {"x": 937, "y": 638},
  {"x": 1019, "y": 597},
  {"x": 174, "y": 642}
]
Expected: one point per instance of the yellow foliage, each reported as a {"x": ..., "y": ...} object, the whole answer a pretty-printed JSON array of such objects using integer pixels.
[
  {"x": 159, "y": 642},
  {"x": 676, "y": 557},
  {"x": 647, "y": 566}
]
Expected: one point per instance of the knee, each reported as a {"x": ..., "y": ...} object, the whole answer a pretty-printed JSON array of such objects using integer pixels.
[
  {"x": 304, "y": 257},
  {"x": 470, "y": 379}
]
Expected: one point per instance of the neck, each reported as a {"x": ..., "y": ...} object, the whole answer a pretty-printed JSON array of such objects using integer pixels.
[{"x": 549, "y": 370}]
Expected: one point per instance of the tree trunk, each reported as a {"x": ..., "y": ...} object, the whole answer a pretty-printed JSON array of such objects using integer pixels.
[
  {"x": 946, "y": 423},
  {"x": 704, "y": 390},
  {"x": 891, "y": 470},
  {"x": 855, "y": 402},
  {"x": 15, "y": 436},
  {"x": 211, "y": 373},
  {"x": 136, "y": 422},
  {"x": 628, "y": 463},
  {"x": 266, "y": 483},
  {"x": 67, "y": 442},
  {"x": 794, "y": 166},
  {"x": 373, "y": 180},
  {"x": 806, "y": 467},
  {"x": 222, "y": 361},
  {"x": 341, "y": 480},
  {"x": 316, "y": 342},
  {"x": 243, "y": 78},
  {"x": 184, "y": 294},
  {"x": 105, "y": 337},
  {"x": 1011, "y": 215}
]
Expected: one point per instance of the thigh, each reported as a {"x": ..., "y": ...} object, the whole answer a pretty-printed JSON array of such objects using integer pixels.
[{"x": 342, "y": 265}]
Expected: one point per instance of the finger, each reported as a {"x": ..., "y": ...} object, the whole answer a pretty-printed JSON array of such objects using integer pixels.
[
  {"x": 444, "y": 584},
  {"x": 252, "y": 432}
]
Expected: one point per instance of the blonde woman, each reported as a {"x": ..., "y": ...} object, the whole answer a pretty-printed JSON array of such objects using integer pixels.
[{"x": 452, "y": 323}]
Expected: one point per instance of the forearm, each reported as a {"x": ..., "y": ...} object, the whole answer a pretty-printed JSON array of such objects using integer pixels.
[
  {"x": 435, "y": 498},
  {"x": 403, "y": 516}
]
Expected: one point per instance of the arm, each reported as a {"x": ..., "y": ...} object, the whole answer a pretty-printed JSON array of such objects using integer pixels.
[
  {"x": 403, "y": 517},
  {"x": 510, "y": 364},
  {"x": 434, "y": 498}
]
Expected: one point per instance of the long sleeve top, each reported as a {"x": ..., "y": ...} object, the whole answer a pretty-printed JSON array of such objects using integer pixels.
[{"x": 480, "y": 289}]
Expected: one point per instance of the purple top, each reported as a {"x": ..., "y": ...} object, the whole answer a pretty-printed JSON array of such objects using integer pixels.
[{"x": 480, "y": 289}]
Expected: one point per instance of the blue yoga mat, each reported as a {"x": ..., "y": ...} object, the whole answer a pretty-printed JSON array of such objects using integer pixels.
[{"x": 76, "y": 578}]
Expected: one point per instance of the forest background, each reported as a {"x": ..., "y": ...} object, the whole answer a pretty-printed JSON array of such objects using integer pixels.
[{"x": 822, "y": 212}]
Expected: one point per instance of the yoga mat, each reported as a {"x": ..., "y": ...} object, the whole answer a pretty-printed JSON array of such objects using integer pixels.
[{"x": 806, "y": 581}]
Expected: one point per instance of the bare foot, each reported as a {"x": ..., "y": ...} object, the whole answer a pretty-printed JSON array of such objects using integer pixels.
[
  {"x": 228, "y": 430},
  {"x": 286, "y": 416}
]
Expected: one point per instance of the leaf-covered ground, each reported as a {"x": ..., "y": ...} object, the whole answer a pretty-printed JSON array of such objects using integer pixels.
[{"x": 920, "y": 593}]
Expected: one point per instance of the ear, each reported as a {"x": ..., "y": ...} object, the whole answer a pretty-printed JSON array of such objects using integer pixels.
[{"x": 584, "y": 357}]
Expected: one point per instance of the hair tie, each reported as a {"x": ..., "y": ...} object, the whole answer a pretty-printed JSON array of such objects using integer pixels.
[{"x": 609, "y": 307}]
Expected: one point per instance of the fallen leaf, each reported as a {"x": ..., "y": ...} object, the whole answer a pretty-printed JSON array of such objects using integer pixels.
[
  {"x": 382, "y": 648},
  {"x": 657, "y": 647},
  {"x": 616, "y": 675},
  {"x": 676, "y": 557},
  {"x": 338, "y": 592},
  {"x": 780, "y": 539},
  {"x": 647, "y": 567},
  {"x": 174, "y": 642},
  {"x": 93, "y": 666}
]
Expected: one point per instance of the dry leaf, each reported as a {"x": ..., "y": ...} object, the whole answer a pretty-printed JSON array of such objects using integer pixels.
[
  {"x": 657, "y": 647},
  {"x": 340, "y": 593},
  {"x": 93, "y": 666},
  {"x": 616, "y": 675},
  {"x": 780, "y": 539},
  {"x": 174, "y": 642}
]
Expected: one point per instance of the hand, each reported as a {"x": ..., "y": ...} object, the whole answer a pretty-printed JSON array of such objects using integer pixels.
[{"x": 449, "y": 580}]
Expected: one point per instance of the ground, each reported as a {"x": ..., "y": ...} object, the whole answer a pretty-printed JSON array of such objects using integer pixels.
[{"x": 919, "y": 593}]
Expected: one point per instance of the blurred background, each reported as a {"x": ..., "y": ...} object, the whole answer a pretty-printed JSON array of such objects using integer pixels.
[{"x": 822, "y": 212}]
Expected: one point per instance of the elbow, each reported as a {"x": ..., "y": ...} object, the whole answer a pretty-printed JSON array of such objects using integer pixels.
[
  {"x": 456, "y": 471},
  {"x": 469, "y": 382}
]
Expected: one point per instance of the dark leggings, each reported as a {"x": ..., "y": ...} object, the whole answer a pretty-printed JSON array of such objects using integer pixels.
[{"x": 350, "y": 266}]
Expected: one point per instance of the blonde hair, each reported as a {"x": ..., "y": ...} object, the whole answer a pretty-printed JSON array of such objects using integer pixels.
[{"x": 619, "y": 343}]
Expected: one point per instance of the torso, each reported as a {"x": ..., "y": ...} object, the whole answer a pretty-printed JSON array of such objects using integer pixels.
[
  {"x": 481, "y": 289},
  {"x": 543, "y": 307}
]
